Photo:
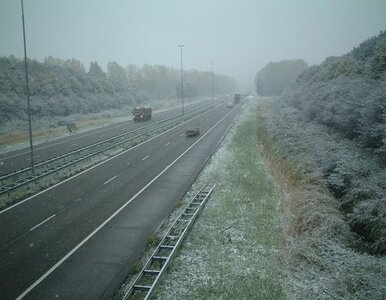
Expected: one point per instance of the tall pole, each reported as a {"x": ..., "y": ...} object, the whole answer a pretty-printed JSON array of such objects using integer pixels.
[
  {"x": 182, "y": 81},
  {"x": 212, "y": 62},
  {"x": 27, "y": 90}
]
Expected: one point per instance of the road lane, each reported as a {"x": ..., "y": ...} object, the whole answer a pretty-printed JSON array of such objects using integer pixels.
[
  {"x": 80, "y": 210},
  {"x": 109, "y": 260},
  {"x": 78, "y": 187},
  {"x": 19, "y": 159}
]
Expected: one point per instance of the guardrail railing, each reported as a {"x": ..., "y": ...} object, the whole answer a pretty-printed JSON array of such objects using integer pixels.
[{"x": 15, "y": 180}]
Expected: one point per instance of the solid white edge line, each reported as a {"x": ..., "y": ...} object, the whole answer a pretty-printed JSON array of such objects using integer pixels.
[
  {"x": 97, "y": 165},
  {"x": 54, "y": 267},
  {"x": 41, "y": 223}
]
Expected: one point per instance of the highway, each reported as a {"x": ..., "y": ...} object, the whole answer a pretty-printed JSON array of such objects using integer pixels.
[
  {"x": 79, "y": 239},
  {"x": 19, "y": 159}
]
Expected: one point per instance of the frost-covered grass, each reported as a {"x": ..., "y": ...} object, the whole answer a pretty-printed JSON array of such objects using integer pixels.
[
  {"x": 322, "y": 257},
  {"x": 233, "y": 249}
]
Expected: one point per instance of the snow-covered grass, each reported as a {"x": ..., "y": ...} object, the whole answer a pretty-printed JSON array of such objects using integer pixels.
[
  {"x": 321, "y": 258},
  {"x": 233, "y": 249}
]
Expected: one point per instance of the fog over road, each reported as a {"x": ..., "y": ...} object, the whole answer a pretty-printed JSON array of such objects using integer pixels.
[{"x": 81, "y": 238}]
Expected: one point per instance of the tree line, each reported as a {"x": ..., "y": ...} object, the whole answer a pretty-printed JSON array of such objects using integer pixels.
[
  {"x": 276, "y": 76},
  {"x": 334, "y": 114},
  {"x": 63, "y": 87}
]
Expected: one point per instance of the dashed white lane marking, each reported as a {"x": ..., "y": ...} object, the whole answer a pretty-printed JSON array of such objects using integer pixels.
[
  {"x": 64, "y": 258},
  {"x": 76, "y": 144},
  {"x": 41, "y": 223},
  {"x": 167, "y": 144},
  {"x": 146, "y": 157},
  {"x": 111, "y": 179},
  {"x": 182, "y": 134},
  {"x": 93, "y": 167}
]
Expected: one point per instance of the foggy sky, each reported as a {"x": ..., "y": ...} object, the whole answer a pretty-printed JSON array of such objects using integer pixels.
[{"x": 240, "y": 36}]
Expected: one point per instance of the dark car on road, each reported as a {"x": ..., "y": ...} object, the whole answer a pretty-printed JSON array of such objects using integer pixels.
[{"x": 192, "y": 131}]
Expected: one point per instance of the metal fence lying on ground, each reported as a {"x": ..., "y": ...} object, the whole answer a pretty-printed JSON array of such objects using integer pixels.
[{"x": 145, "y": 283}]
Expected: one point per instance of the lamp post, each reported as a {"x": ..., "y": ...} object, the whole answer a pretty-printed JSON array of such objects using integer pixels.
[
  {"x": 212, "y": 62},
  {"x": 27, "y": 90},
  {"x": 182, "y": 81}
]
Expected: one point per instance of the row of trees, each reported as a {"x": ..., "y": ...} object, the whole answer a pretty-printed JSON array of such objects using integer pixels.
[
  {"x": 276, "y": 76},
  {"x": 343, "y": 102},
  {"x": 63, "y": 87}
]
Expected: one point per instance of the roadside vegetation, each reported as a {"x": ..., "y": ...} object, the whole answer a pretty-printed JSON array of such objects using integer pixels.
[
  {"x": 61, "y": 88},
  {"x": 276, "y": 76},
  {"x": 324, "y": 140},
  {"x": 233, "y": 250}
]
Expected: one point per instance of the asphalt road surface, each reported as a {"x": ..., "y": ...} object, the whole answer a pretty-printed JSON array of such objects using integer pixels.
[
  {"x": 79, "y": 239},
  {"x": 19, "y": 159}
]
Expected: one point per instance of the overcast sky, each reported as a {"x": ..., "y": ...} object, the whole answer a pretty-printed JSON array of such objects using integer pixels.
[{"x": 240, "y": 36}]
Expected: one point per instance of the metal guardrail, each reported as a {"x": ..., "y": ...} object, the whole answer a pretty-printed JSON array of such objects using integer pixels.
[
  {"x": 145, "y": 283},
  {"x": 24, "y": 177}
]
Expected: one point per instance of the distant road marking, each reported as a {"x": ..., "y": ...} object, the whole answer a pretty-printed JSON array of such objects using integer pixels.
[
  {"x": 167, "y": 144},
  {"x": 111, "y": 179},
  {"x": 76, "y": 144},
  {"x": 55, "y": 266},
  {"x": 182, "y": 134},
  {"x": 146, "y": 157},
  {"x": 41, "y": 223}
]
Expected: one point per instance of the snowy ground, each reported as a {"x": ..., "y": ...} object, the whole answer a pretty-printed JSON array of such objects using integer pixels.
[{"x": 232, "y": 251}]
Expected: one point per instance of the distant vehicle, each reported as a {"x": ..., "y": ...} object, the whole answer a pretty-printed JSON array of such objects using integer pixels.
[
  {"x": 141, "y": 114},
  {"x": 71, "y": 126},
  {"x": 192, "y": 131},
  {"x": 237, "y": 98},
  {"x": 229, "y": 104}
]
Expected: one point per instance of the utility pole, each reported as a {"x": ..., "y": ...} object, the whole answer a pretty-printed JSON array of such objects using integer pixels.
[
  {"x": 212, "y": 62},
  {"x": 27, "y": 90},
  {"x": 182, "y": 81}
]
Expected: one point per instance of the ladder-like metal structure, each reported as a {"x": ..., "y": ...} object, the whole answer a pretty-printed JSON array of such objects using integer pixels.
[{"x": 145, "y": 283}]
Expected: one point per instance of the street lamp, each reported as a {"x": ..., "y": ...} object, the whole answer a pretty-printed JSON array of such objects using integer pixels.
[
  {"x": 212, "y": 62},
  {"x": 182, "y": 81},
  {"x": 27, "y": 90}
]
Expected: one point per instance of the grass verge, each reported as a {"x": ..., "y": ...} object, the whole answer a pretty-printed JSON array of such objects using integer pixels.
[
  {"x": 319, "y": 260},
  {"x": 233, "y": 250}
]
